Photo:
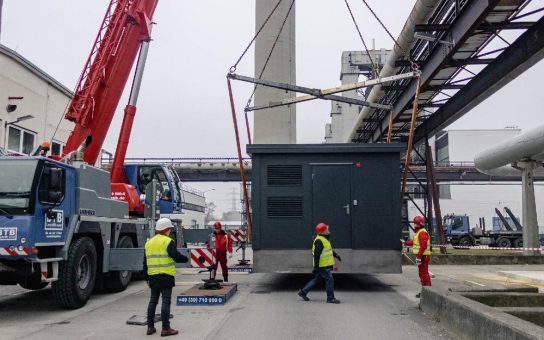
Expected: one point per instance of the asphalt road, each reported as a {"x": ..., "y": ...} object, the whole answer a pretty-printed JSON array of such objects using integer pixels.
[{"x": 265, "y": 307}]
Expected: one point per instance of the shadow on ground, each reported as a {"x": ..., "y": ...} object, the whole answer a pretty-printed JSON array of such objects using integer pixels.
[{"x": 342, "y": 282}]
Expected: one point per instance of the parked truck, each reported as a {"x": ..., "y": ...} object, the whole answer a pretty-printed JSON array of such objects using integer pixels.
[{"x": 458, "y": 232}]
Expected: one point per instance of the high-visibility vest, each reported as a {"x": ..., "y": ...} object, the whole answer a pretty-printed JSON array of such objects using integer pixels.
[
  {"x": 417, "y": 246},
  {"x": 326, "y": 259},
  {"x": 157, "y": 258}
]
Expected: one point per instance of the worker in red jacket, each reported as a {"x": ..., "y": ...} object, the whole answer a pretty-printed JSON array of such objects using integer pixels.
[
  {"x": 222, "y": 245},
  {"x": 421, "y": 247}
]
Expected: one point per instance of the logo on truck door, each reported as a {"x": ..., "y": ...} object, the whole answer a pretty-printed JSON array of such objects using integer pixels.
[
  {"x": 54, "y": 224},
  {"x": 8, "y": 234}
]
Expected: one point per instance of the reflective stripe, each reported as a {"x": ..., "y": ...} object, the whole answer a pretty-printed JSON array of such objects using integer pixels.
[
  {"x": 326, "y": 258},
  {"x": 159, "y": 265},
  {"x": 417, "y": 246},
  {"x": 157, "y": 256}
]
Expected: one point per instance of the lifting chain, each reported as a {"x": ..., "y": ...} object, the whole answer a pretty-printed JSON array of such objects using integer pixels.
[
  {"x": 233, "y": 67},
  {"x": 413, "y": 65},
  {"x": 372, "y": 61},
  {"x": 248, "y": 104}
]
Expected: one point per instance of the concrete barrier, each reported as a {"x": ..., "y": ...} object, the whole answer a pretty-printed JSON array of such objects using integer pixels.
[{"x": 472, "y": 320}]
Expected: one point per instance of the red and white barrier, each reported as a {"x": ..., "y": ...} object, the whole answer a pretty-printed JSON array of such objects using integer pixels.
[
  {"x": 237, "y": 235},
  {"x": 207, "y": 254},
  {"x": 486, "y": 247},
  {"x": 5, "y": 251}
]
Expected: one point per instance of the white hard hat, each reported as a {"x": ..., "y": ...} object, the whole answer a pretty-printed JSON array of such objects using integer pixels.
[{"x": 163, "y": 224}]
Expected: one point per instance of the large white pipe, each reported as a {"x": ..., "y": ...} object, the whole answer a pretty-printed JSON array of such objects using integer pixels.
[
  {"x": 527, "y": 146},
  {"x": 420, "y": 14}
]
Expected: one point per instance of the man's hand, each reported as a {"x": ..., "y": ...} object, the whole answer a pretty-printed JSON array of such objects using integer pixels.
[
  {"x": 418, "y": 260},
  {"x": 147, "y": 282}
]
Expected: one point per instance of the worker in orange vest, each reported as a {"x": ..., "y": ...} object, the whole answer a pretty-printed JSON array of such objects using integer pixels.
[
  {"x": 222, "y": 245},
  {"x": 421, "y": 247}
]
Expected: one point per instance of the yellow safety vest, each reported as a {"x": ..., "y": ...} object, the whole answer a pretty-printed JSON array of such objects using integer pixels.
[
  {"x": 157, "y": 258},
  {"x": 417, "y": 246},
  {"x": 326, "y": 259}
]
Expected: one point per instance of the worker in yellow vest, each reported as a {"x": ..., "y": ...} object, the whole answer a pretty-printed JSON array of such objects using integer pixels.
[
  {"x": 421, "y": 247},
  {"x": 159, "y": 272},
  {"x": 323, "y": 262}
]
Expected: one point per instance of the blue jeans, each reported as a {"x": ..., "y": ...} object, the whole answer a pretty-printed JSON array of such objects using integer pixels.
[
  {"x": 321, "y": 274},
  {"x": 165, "y": 308}
]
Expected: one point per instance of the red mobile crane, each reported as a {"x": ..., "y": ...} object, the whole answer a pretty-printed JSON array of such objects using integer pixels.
[
  {"x": 126, "y": 28},
  {"x": 59, "y": 223}
]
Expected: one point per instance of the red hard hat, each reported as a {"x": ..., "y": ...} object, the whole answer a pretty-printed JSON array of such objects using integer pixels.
[
  {"x": 419, "y": 220},
  {"x": 217, "y": 225},
  {"x": 321, "y": 228}
]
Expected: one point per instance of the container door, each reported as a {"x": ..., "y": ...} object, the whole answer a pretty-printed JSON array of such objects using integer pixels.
[{"x": 332, "y": 201}]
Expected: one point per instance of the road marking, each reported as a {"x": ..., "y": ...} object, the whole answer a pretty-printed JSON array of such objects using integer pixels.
[{"x": 476, "y": 283}]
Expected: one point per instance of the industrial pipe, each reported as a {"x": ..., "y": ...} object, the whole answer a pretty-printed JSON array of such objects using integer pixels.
[
  {"x": 526, "y": 146},
  {"x": 420, "y": 14}
]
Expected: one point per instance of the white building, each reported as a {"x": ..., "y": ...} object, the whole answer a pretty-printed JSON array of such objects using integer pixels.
[
  {"x": 194, "y": 208},
  {"x": 32, "y": 105},
  {"x": 477, "y": 200}
]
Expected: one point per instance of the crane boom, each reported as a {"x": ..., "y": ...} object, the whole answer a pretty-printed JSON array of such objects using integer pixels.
[{"x": 126, "y": 24}]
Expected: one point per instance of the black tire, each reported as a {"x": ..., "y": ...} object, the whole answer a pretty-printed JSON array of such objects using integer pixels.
[
  {"x": 465, "y": 242},
  {"x": 33, "y": 282},
  {"x": 77, "y": 275},
  {"x": 118, "y": 281},
  {"x": 504, "y": 242},
  {"x": 518, "y": 243}
]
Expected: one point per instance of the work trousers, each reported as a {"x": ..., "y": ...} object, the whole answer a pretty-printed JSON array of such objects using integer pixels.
[
  {"x": 321, "y": 274},
  {"x": 221, "y": 258},
  {"x": 424, "y": 270},
  {"x": 165, "y": 308}
]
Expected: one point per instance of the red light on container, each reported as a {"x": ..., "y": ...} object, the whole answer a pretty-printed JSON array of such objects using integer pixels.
[
  {"x": 358, "y": 165},
  {"x": 34, "y": 250}
]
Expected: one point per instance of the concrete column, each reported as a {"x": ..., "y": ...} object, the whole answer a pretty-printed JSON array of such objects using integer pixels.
[
  {"x": 276, "y": 125},
  {"x": 530, "y": 224}
]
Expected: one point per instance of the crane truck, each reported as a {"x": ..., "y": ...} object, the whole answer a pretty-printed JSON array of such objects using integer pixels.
[{"x": 63, "y": 220}]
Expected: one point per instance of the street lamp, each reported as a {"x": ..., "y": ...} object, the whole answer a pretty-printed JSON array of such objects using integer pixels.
[{"x": 20, "y": 119}]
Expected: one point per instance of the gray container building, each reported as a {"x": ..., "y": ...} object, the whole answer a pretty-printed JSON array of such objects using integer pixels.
[{"x": 353, "y": 188}]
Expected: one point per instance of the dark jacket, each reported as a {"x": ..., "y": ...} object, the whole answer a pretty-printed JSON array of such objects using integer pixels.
[{"x": 164, "y": 280}]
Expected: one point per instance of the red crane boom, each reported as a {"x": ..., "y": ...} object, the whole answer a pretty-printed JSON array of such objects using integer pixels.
[{"x": 126, "y": 25}]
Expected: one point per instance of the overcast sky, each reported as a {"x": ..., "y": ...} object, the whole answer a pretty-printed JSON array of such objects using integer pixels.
[{"x": 183, "y": 105}]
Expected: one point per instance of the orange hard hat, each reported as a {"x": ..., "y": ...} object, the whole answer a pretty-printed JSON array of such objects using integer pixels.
[
  {"x": 419, "y": 220},
  {"x": 321, "y": 228},
  {"x": 217, "y": 225},
  {"x": 46, "y": 145}
]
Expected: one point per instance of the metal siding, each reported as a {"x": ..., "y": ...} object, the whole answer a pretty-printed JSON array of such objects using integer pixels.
[{"x": 376, "y": 187}]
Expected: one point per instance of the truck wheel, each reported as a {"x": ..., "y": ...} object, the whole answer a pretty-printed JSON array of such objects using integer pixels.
[
  {"x": 118, "y": 281},
  {"x": 503, "y": 242},
  {"x": 518, "y": 243},
  {"x": 76, "y": 275},
  {"x": 465, "y": 242},
  {"x": 33, "y": 282}
]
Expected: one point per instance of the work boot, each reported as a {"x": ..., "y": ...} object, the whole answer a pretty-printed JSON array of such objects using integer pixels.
[
  {"x": 151, "y": 330},
  {"x": 168, "y": 332},
  {"x": 333, "y": 300},
  {"x": 303, "y": 296},
  {"x": 418, "y": 295}
]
